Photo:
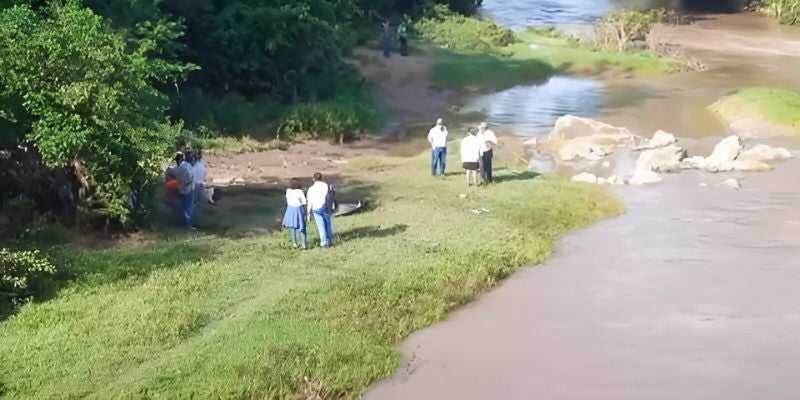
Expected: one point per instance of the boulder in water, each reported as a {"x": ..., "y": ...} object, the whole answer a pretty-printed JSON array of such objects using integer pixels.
[
  {"x": 765, "y": 154},
  {"x": 644, "y": 177},
  {"x": 571, "y": 127},
  {"x": 659, "y": 139},
  {"x": 725, "y": 152},
  {"x": 585, "y": 177},
  {"x": 583, "y": 148},
  {"x": 666, "y": 159},
  {"x": 730, "y": 183}
]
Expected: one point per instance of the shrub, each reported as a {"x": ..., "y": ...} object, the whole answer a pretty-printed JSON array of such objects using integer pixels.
[
  {"x": 340, "y": 119},
  {"x": 443, "y": 27},
  {"x": 620, "y": 29},
  {"x": 23, "y": 276},
  {"x": 785, "y": 11}
]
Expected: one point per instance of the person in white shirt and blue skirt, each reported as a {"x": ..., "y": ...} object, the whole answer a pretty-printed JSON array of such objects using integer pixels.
[
  {"x": 437, "y": 137},
  {"x": 295, "y": 217}
]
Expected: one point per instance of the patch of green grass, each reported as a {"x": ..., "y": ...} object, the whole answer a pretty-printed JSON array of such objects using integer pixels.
[
  {"x": 537, "y": 56},
  {"x": 213, "y": 316},
  {"x": 777, "y": 106}
]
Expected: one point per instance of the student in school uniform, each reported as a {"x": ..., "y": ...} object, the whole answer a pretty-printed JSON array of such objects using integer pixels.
[{"x": 295, "y": 217}]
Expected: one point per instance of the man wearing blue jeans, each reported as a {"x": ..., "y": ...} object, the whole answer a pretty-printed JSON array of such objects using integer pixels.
[
  {"x": 318, "y": 205},
  {"x": 437, "y": 137}
]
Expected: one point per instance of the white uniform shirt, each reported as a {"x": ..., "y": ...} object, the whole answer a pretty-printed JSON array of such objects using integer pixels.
[
  {"x": 295, "y": 198},
  {"x": 437, "y": 136},
  {"x": 185, "y": 177},
  {"x": 316, "y": 195},
  {"x": 199, "y": 171},
  {"x": 470, "y": 149},
  {"x": 487, "y": 136}
]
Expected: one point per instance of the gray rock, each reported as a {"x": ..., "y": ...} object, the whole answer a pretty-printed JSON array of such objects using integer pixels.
[
  {"x": 765, "y": 154},
  {"x": 644, "y": 177},
  {"x": 665, "y": 159},
  {"x": 730, "y": 183}
]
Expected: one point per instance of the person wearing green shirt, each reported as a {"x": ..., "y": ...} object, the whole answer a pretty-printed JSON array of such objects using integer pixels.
[{"x": 402, "y": 36}]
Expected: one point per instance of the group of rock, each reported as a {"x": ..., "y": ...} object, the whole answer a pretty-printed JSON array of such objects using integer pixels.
[{"x": 589, "y": 145}]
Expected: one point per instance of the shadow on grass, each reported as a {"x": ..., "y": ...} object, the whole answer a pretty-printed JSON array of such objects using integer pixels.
[
  {"x": 372, "y": 232},
  {"x": 480, "y": 71},
  {"x": 516, "y": 176}
]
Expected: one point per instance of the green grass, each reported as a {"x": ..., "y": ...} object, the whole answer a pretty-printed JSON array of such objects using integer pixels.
[
  {"x": 220, "y": 316},
  {"x": 776, "y": 106},
  {"x": 538, "y": 56}
]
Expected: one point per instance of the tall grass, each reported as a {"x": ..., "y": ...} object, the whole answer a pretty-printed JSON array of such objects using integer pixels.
[{"x": 249, "y": 317}]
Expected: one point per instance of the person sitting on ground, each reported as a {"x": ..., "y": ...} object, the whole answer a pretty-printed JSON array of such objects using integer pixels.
[
  {"x": 320, "y": 201},
  {"x": 470, "y": 154},
  {"x": 437, "y": 137},
  {"x": 295, "y": 217},
  {"x": 487, "y": 140}
]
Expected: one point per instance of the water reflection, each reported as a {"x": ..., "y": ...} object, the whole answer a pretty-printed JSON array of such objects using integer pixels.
[
  {"x": 531, "y": 110},
  {"x": 519, "y": 14}
]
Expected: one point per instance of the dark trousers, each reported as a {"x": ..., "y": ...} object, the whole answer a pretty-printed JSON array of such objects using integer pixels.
[
  {"x": 486, "y": 166},
  {"x": 438, "y": 160},
  {"x": 403, "y": 46}
]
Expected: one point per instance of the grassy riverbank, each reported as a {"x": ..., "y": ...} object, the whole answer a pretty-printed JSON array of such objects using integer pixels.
[
  {"x": 227, "y": 316},
  {"x": 776, "y": 106},
  {"x": 538, "y": 56}
]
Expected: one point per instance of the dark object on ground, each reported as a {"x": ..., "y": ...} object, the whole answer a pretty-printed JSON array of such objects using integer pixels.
[{"x": 349, "y": 208}]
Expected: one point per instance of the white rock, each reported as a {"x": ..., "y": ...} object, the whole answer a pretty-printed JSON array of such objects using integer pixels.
[
  {"x": 615, "y": 180},
  {"x": 696, "y": 162},
  {"x": 644, "y": 177},
  {"x": 665, "y": 159},
  {"x": 725, "y": 152},
  {"x": 751, "y": 166},
  {"x": 570, "y": 127},
  {"x": 222, "y": 180},
  {"x": 730, "y": 183},
  {"x": 703, "y": 184},
  {"x": 585, "y": 177},
  {"x": 660, "y": 139},
  {"x": 601, "y": 181},
  {"x": 583, "y": 148},
  {"x": 765, "y": 154}
]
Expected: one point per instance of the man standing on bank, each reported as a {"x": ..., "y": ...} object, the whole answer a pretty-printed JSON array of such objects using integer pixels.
[
  {"x": 488, "y": 140},
  {"x": 437, "y": 137},
  {"x": 319, "y": 198}
]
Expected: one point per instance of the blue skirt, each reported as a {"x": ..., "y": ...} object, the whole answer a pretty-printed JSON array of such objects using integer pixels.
[{"x": 295, "y": 218}]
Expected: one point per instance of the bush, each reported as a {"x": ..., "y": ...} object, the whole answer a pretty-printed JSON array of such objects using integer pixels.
[
  {"x": 23, "y": 276},
  {"x": 443, "y": 27},
  {"x": 785, "y": 11},
  {"x": 340, "y": 119},
  {"x": 620, "y": 29}
]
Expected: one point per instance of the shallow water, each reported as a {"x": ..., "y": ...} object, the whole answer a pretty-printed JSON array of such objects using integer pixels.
[{"x": 519, "y": 14}]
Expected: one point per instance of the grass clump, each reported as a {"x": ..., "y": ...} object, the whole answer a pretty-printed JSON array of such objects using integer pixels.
[
  {"x": 776, "y": 106},
  {"x": 445, "y": 28},
  {"x": 216, "y": 316},
  {"x": 340, "y": 119}
]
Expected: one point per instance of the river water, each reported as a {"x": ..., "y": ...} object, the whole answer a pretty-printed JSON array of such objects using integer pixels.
[{"x": 689, "y": 295}]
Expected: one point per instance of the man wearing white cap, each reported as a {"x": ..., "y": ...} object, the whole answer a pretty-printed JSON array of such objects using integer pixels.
[
  {"x": 437, "y": 137},
  {"x": 488, "y": 140}
]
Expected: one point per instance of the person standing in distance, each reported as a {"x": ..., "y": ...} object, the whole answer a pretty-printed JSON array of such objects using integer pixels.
[
  {"x": 186, "y": 189},
  {"x": 488, "y": 140},
  {"x": 470, "y": 154},
  {"x": 437, "y": 137},
  {"x": 318, "y": 204}
]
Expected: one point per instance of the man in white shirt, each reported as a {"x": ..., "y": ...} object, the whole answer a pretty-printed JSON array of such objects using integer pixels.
[
  {"x": 319, "y": 206},
  {"x": 186, "y": 189},
  {"x": 199, "y": 175},
  {"x": 437, "y": 137},
  {"x": 488, "y": 140},
  {"x": 470, "y": 154}
]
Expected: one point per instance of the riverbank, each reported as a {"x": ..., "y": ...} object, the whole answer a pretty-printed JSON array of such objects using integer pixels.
[{"x": 232, "y": 316}]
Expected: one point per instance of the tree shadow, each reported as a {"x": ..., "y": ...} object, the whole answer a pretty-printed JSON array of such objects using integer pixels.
[
  {"x": 372, "y": 232},
  {"x": 516, "y": 176}
]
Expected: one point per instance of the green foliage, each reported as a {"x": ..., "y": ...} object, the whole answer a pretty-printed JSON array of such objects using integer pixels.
[
  {"x": 339, "y": 119},
  {"x": 621, "y": 28},
  {"x": 230, "y": 114},
  {"x": 446, "y": 28},
  {"x": 785, "y": 11},
  {"x": 91, "y": 98},
  {"x": 23, "y": 276}
]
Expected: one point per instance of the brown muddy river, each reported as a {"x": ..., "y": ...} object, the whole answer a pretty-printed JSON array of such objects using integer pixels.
[{"x": 691, "y": 294}]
